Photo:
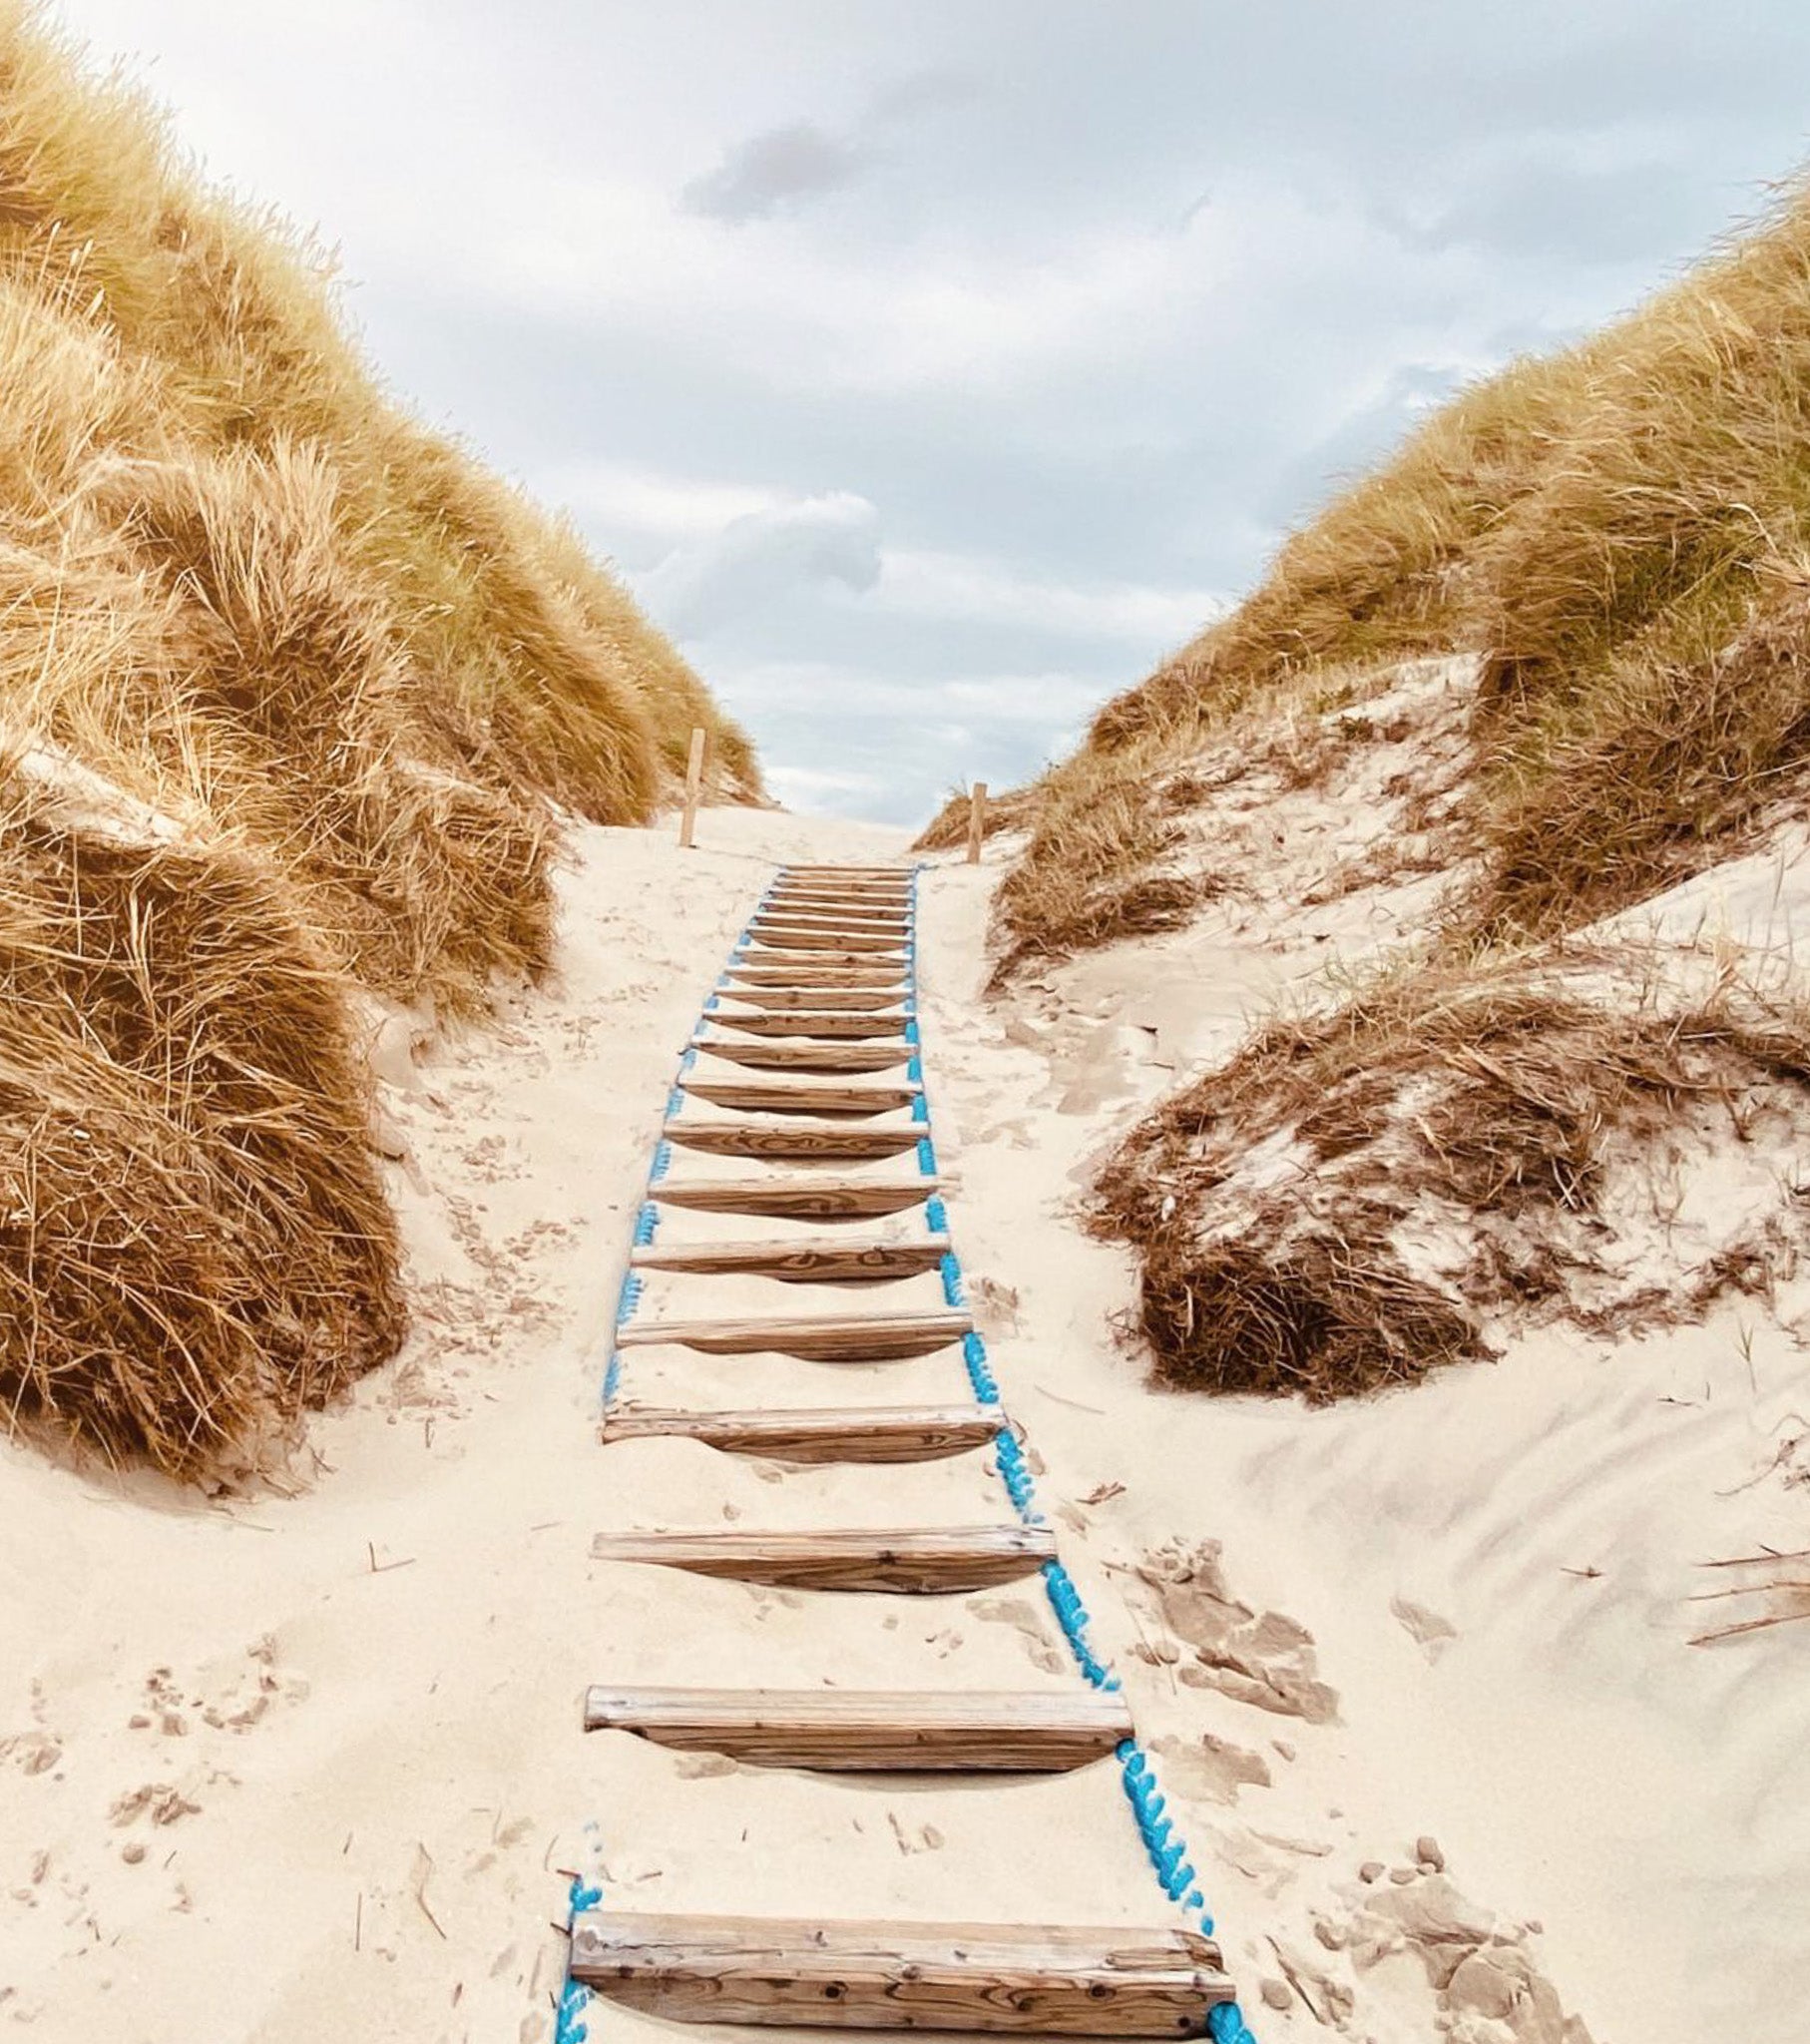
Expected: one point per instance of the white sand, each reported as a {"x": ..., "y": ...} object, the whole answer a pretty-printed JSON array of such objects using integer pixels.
[{"x": 397, "y": 1769}]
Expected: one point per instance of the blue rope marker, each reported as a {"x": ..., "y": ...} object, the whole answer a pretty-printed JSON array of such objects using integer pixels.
[{"x": 1167, "y": 1850}]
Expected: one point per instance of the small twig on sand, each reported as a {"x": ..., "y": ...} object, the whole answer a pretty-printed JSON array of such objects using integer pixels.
[
  {"x": 378, "y": 1567},
  {"x": 1099, "y": 1412}
]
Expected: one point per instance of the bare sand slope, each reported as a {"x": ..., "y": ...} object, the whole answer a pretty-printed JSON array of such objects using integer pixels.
[{"x": 278, "y": 1768}]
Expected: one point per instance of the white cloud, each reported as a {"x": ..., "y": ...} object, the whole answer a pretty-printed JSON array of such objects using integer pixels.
[{"x": 765, "y": 555}]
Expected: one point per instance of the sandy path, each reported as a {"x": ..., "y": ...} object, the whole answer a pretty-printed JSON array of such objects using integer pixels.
[{"x": 1495, "y": 1569}]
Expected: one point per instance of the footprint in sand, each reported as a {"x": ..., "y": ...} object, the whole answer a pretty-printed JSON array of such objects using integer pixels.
[{"x": 1260, "y": 1658}]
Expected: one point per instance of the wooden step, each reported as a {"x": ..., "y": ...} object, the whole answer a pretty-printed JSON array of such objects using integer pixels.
[
  {"x": 891, "y": 875},
  {"x": 944, "y": 1561},
  {"x": 803, "y": 1055},
  {"x": 815, "y": 1197},
  {"x": 812, "y": 973},
  {"x": 823, "y": 999},
  {"x": 1049, "y": 1980},
  {"x": 860, "y": 920},
  {"x": 803, "y": 1259},
  {"x": 813, "y": 1337},
  {"x": 796, "y": 1137},
  {"x": 813, "y": 1022},
  {"x": 781, "y": 951},
  {"x": 1038, "y": 1730},
  {"x": 859, "y": 1434},
  {"x": 818, "y": 900},
  {"x": 774, "y": 1096},
  {"x": 802, "y": 936}
]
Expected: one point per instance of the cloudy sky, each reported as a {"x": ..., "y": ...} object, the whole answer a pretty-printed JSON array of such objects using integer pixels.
[{"x": 931, "y": 367}]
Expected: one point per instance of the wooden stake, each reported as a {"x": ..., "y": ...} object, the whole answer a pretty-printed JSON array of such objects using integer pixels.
[
  {"x": 977, "y": 821},
  {"x": 693, "y": 784}
]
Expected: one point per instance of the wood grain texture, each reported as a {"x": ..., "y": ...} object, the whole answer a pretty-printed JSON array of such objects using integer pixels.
[
  {"x": 860, "y": 1433},
  {"x": 940, "y": 1561},
  {"x": 799, "y": 1259},
  {"x": 823, "y": 1000},
  {"x": 821, "y": 900},
  {"x": 798, "y": 1138},
  {"x": 866, "y": 921},
  {"x": 778, "y": 1095},
  {"x": 813, "y": 1337},
  {"x": 1042, "y": 1730},
  {"x": 802, "y": 936},
  {"x": 1014, "y": 1978},
  {"x": 813, "y": 972},
  {"x": 801, "y": 1055},
  {"x": 804, "y": 1022},
  {"x": 782, "y": 951},
  {"x": 817, "y": 1197}
]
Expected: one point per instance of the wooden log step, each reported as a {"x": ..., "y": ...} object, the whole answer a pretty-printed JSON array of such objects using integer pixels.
[
  {"x": 794, "y": 1136},
  {"x": 813, "y": 1337},
  {"x": 774, "y": 1096},
  {"x": 781, "y": 951},
  {"x": 865, "y": 920},
  {"x": 857, "y": 999},
  {"x": 813, "y": 972},
  {"x": 804, "y": 1023},
  {"x": 1014, "y": 1978},
  {"x": 940, "y": 1561},
  {"x": 804, "y": 1260},
  {"x": 1039, "y": 1731},
  {"x": 801, "y": 1056},
  {"x": 803, "y": 937},
  {"x": 860, "y": 1433},
  {"x": 819, "y": 900},
  {"x": 815, "y": 1197},
  {"x": 901, "y": 874}
]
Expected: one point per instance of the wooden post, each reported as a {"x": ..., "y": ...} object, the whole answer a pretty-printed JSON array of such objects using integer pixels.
[
  {"x": 693, "y": 780},
  {"x": 977, "y": 821}
]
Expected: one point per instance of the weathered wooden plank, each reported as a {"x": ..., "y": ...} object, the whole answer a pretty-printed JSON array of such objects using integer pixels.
[
  {"x": 802, "y": 1023},
  {"x": 918, "y": 1561},
  {"x": 781, "y": 951},
  {"x": 821, "y": 900},
  {"x": 794, "y": 1136},
  {"x": 803, "y": 937},
  {"x": 811, "y": 972},
  {"x": 874, "y": 1731},
  {"x": 803, "y": 1056},
  {"x": 850, "y": 872},
  {"x": 775, "y": 1096},
  {"x": 866, "y": 921},
  {"x": 1014, "y": 1978},
  {"x": 812, "y": 1198},
  {"x": 823, "y": 999},
  {"x": 803, "y": 1259},
  {"x": 859, "y": 1434},
  {"x": 813, "y": 1337}
]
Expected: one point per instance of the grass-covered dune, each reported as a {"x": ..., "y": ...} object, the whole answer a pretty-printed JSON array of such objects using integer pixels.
[
  {"x": 288, "y": 689},
  {"x": 1547, "y": 662},
  {"x": 1623, "y": 529}
]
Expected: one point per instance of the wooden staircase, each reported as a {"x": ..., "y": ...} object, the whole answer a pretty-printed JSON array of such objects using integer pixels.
[{"x": 819, "y": 997}]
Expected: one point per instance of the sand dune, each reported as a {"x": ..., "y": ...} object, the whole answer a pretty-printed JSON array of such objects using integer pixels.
[{"x": 307, "y": 1759}]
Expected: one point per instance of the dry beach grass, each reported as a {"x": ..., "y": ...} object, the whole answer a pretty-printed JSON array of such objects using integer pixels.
[{"x": 287, "y": 688}]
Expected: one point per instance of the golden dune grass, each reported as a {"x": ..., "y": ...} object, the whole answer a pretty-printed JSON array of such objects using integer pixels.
[
  {"x": 288, "y": 689},
  {"x": 1623, "y": 529}
]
